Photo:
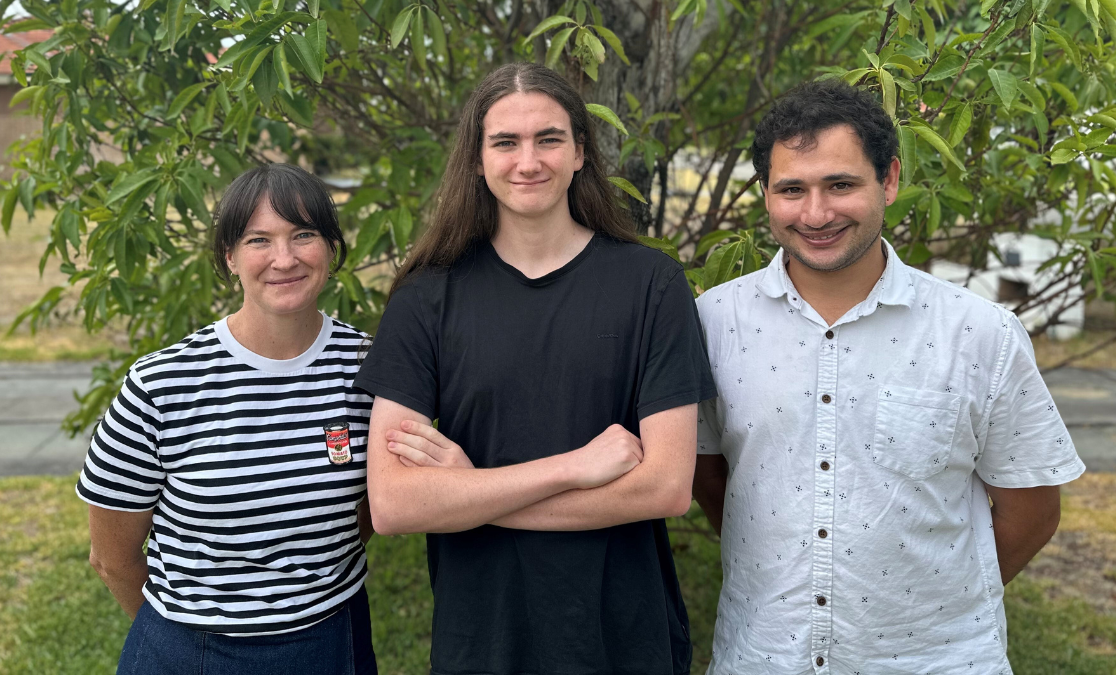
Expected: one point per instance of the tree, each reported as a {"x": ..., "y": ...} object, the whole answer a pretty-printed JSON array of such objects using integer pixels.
[{"x": 149, "y": 108}]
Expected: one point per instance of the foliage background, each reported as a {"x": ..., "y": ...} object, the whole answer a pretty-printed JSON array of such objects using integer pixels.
[{"x": 150, "y": 107}]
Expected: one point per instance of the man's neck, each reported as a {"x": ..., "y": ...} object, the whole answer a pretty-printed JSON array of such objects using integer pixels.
[
  {"x": 278, "y": 337},
  {"x": 831, "y": 294},
  {"x": 538, "y": 246}
]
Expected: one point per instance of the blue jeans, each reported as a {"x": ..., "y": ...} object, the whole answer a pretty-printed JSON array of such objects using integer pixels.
[{"x": 340, "y": 644}]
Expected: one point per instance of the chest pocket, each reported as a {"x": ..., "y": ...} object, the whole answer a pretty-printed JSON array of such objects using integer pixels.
[{"x": 914, "y": 430}]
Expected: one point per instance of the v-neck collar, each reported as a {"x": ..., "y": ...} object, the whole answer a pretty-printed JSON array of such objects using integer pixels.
[{"x": 547, "y": 278}]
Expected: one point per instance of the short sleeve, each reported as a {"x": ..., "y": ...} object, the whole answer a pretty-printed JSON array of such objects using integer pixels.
[
  {"x": 1026, "y": 443},
  {"x": 709, "y": 428},
  {"x": 402, "y": 365},
  {"x": 123, "y": 470},
  {"x": 676, "y": 369}
]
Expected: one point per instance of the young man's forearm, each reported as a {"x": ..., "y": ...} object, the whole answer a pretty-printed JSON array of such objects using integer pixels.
[
  {"x": 1023, "y": 520},
  {"x": 710, "y": 485},
  {"x": 658, "y": 488}
]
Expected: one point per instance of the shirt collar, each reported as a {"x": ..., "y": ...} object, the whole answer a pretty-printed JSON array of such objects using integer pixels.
[{"x": 895, "y": 287}]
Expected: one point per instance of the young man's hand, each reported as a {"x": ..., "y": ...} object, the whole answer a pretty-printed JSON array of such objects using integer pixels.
[
  {"x": 613, "y": 453},
  {"x": 418, "y": 444}
]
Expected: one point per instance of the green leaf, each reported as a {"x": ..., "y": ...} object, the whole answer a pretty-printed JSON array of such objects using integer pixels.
[
  {"x": 306, "y": 56},
  {"x": 222, "y": 94},
  {"x": 929, "y": 31},
  {"x": 7, "y": 209},
  {"x": 932, "y": 137},
  {"x": 316, "y": 39},
  {"x": 959, "y": 125},
  {"x": 626, "y": 186},
  {"x": 1103, "y": 120},
  {"x": 934, "y": 217},
  {"x": 947, "y": 66},
  {"x": 1066, "y": 95},
  {"x": 547, "y": 24},
  {"x": 184, "y": 98},
  {"x": 853, "y": 76},
  {"x": 721, "y": 264},
  {"x": 130, "y": 182},
  {"x": 613, "y": 42},
  {"x": 557, "y": 43},
  {"x": 908, "y": 158},
  {"x": 663, "y": 245},
  {"x": 1005, "y": 85},
  {"x": 399, "y": 28},
  {"x": 903, "y": 7},
  {"x": 23, "y": 94},
  {"x": 986, "y": 6},
  {"x": 1066, "y": 43},
  {"x": 418, "y": 41},
  {"x": 298, "y": 108},
  {"x": 596, "y": 48},
  {"x": 1033, "y": 94},
  {"x": 401, "y": 225},
  {"x": 887, "y": 83},
  {"x": 265, "y": 82},
  {"x": 343, "y": 28},
  {"x": 282, "y": 68},
  {"x": 312, "y": 7},
  {"x": 607, "y": 115},
  {"x": 684, "y": 7},
  {"x": 438, "y": 35},
  {"x": 710, "y": 240},
  {"x": 40, "y": 61},
  {"x": 1063, "y": 155},
  {"x": 259, "y": 34},
  {"x": 1038, "y": 43}
]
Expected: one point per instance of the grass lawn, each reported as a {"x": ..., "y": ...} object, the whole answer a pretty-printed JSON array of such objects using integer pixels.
[{"x": 57, "y": 617}]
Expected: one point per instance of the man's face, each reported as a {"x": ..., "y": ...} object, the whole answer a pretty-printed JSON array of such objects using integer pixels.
[
  {"x": 825, "y": 205},
  {"x": 529, "y": 155}
]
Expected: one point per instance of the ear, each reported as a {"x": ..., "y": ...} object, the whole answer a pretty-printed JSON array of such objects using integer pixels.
[
  {"x": 480, "y": 169},
  {"x": 891, "y": 181},
  {"x": 230, "y": 263},
  {"x": 579, "y": 156}
]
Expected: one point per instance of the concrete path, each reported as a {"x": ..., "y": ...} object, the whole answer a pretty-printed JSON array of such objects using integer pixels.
[{"x": 34, "y": 397}]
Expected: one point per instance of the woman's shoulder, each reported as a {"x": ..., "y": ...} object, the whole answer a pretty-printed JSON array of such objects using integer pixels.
[{"x": 201, "y": 344}]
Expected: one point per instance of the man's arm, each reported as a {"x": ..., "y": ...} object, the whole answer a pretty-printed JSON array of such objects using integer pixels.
[
  {"x": 116, "y": 552},
  {"x": 430, "y": 497},
  {"x": 1023, "y": 520},
  {"x": 710, "y": 483},
  {"x": 659, "y": 487}
]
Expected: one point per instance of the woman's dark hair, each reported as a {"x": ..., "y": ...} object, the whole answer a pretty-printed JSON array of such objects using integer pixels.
[
  {"x": 816, "y": 106},
  {"x": 466, "y": 211},
  {"x": 298, "y": 197}
]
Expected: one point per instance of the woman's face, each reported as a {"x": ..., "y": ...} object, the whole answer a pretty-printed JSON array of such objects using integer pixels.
[{"x": 282, "y": 267}]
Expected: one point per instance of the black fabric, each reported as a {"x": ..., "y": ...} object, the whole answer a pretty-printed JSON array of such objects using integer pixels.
[{"x": 516, "y": 369}]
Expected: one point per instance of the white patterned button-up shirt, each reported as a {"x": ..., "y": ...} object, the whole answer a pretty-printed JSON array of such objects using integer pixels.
[{"x": 857, "y": 534}]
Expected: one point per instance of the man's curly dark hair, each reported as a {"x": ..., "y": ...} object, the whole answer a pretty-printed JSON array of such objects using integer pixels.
[{"x": 815, "y": 106}]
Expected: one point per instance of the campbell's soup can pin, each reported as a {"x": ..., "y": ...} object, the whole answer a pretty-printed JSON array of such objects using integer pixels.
[{"x": 337, "y": 442}]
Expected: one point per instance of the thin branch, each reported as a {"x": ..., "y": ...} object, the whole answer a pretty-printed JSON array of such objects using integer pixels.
[
  {"x": 883, "y": 30},
  {"x": 1076, "y": 357}
]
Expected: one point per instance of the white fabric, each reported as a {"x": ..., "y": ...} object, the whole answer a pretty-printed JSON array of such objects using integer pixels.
[{"x": 931, "y": 390}]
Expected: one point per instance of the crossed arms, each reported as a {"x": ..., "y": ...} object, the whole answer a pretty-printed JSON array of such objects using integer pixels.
[{"x": 425, "y": 483}]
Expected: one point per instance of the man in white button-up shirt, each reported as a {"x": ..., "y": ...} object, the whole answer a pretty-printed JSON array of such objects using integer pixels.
[{"x": 866, "y": 414}]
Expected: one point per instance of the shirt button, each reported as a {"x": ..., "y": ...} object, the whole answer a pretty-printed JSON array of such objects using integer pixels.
[
  {"x": 826, "y": 398},
  {"x": 820, "y": 661},
  {"x": 823, "y": 534},
  {"x": 824, "y": 466},
  {"x": 829, "y": 336},
  {"x": 821, "y": 600}
]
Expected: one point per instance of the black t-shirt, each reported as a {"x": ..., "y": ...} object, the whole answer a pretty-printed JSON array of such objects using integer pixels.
[{"x": 516, "y": 369}]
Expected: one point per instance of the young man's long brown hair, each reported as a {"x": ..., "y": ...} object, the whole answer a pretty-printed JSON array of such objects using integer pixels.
[{"x": 467, "y": 210}]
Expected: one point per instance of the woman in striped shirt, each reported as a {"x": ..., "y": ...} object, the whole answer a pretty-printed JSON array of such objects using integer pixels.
[{"x": 238, "y": 454}]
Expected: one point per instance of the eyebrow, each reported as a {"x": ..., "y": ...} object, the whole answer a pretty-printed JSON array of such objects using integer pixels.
[
  {"x": 829, "y": 178},
  {"x": 507, "y": 135}
]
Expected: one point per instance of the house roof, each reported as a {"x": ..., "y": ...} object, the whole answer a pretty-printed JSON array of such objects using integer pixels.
[{"x": 14, "y": 41}]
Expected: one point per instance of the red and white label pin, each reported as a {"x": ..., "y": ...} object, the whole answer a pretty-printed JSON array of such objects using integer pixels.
[{"x": 337, "y": 442}]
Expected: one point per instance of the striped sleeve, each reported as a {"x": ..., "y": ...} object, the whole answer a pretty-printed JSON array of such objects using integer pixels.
[{"x": 122, "y": 469}]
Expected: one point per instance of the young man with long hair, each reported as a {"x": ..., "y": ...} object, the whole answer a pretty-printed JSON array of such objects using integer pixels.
[
  {"x": 564, "y": 364},
  {"x": 867, "y": 413}
]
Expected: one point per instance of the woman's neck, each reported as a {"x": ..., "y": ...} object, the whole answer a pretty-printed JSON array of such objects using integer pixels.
[{"x": 279, "y": 337}]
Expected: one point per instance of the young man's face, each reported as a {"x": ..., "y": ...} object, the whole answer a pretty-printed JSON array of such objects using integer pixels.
[
  {"x": 825, "y": 205},
  {"x": 529, "y": 155}
]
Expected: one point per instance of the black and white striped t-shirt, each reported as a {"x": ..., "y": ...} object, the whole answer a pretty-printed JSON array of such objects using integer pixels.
[{"x": 254, "y": 528}]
